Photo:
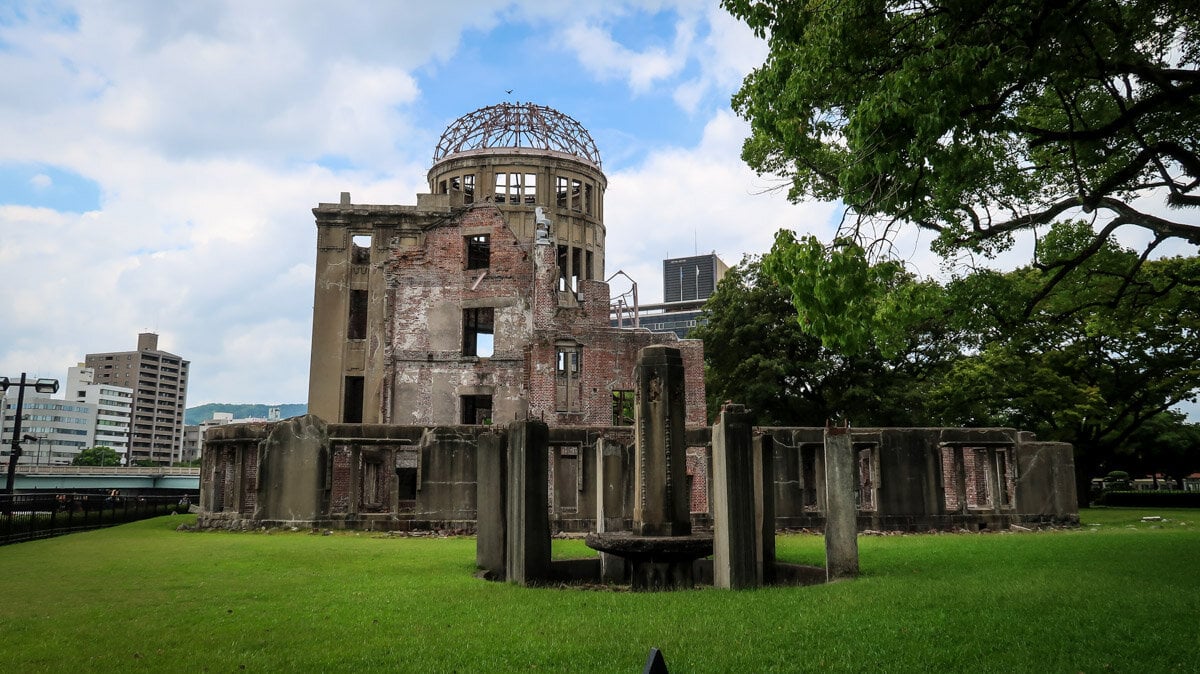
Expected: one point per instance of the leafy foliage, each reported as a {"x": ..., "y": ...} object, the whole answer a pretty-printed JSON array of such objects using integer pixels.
[
  {"x": 771, "y": 363},
  {"x": 980, "y": 119},
  {"x": 97, "y": 456}
]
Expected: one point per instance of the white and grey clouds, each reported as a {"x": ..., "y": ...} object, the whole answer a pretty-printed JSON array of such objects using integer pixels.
[{"x": 158, "y": 162}]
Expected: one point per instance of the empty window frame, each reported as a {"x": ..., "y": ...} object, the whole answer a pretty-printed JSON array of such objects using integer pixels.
[
  {"x": 976, "y": 467},
  {"x": 529, "y": 188},
  {"x": 407, "y": 475},
  {"x": 356, "y": 327},
  {"x": 867, "y": 478},
  {"x": 587, "y": 198},
  {"x": 360, "y": 248},
  {"x": 352, "y": 400},
  {"x": 479, "y": 332},
  {"x": 561, "y": 186},
  {"x": 476, "y": 410},
  {"x": 371, "y": 490},
  {"x": 501, "y": 192},
  {"x": 576, "y": 195},
  {"x": 622, "y": 413},
  {"x": 468, "y": 188},
  {"x": 568, "y": 368},
  {"x": 479, "y": 251}
]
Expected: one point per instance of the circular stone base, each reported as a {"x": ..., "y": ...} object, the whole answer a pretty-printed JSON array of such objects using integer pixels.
[{"x": 655, "y": 562}]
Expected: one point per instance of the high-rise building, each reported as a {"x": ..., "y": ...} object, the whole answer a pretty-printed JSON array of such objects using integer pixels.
[
  {"x": 159, "y": 383},
  {"x": 53, "y": 430},
  {"x": 114, "y": 407}
]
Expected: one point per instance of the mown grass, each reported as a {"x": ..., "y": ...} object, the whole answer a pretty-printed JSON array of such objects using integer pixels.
[{"x": 1116, "y": 595}]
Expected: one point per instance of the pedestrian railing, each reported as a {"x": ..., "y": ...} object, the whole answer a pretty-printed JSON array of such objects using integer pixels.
[{"x": 25, "y": 517}]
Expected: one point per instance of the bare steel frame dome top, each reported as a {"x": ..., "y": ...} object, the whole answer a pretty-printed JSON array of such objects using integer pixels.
[{"x": 517, "y": 125}]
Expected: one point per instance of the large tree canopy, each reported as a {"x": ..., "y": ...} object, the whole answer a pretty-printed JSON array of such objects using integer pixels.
[{"x": 977, "y": 119}]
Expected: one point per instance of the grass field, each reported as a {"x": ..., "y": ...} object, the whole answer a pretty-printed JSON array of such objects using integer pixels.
[{"x": 1116, "y": 595}]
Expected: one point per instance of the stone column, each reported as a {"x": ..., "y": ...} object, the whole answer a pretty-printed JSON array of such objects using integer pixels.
[
  {"x": 734, "y": 528},
  {"x": 661, "y": 505},
  {"x": 527, "y": 552},
  {"x": 763, "y": 450},
  {"x": 841, "y": 516},
  {"x": 491, "y": 480},
  {"x": 610, "y": 503}
]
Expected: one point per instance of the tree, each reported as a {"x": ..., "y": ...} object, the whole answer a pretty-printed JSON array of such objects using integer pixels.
[
  {"x": 97, "y": 456},
  {"x": 977, "y": 120},
  {"x": 1101, "y": 357},
  {"x": 758, "y": 354}
]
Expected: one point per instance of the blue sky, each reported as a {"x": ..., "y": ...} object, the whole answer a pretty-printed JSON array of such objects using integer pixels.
[{"x": 159, "y": 161}]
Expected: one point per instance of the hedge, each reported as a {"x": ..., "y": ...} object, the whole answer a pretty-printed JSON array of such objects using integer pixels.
[{"x": 1150, "y": 499}]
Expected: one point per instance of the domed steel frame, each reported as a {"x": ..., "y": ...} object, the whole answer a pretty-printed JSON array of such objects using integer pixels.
[{"x": 517, "y": 125}]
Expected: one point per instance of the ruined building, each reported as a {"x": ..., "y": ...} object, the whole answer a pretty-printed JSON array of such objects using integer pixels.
[
  {"x": 442, "y": 329},
  {"x": 486, "y": 301}
]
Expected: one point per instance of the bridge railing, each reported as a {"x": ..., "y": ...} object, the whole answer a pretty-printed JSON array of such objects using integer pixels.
[
  {"x": 25, "y": 517},
  {"x": 107, "y": 470}
]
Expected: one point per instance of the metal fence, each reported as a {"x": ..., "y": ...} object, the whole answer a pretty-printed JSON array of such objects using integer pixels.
[{"x": 25, "y": 517}]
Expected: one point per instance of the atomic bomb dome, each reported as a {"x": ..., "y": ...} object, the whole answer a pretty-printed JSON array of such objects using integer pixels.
[{"x": 517, "y": 125}]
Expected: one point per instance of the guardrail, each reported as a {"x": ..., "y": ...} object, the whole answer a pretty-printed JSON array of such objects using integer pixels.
[
  {"x": 25, "y": 517},
  {"x": 106, "y": 470}
]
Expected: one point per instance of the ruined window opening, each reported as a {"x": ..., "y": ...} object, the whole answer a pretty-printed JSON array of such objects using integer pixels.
[
  {"x": 563, "y": 284},
  {"x": 622, "y": 412},
  {"x": 808, "y": 477},
  {"x": 370, "y": 483},
  {"x": 977, "y": 466},
  {"x": 560, "y": 191},
  {"x": 576, "y": 195},
  {"x": 568, "y": 389},
  {"x": 576, "y": 267},
  {"x": 566, "y": 480},
  {"x": 478, "y": 332},
  {"x": 501, "y": 188},
  {"x": 442, "y": 187},
  {"x": 950, "y": 479},
  {"x": 455, "y": 183},
  {"x": 477, "y": 410},
  {"x": 479, "y": 251},
  {"x": 530, "y": 192},
  {"x": 587, "y": 198},
  {"x": 588, "y": 270},
  {"x": 407, "y": 477},
  {"x": 360, "y": 245},
  {"x": 1003, "y": 478},
  {"x": 357, "y": 326},
  {"x": 469, "y": 188},
  {"x": 514, "y": 188},
  {"x": 352, "y": 400},
  {"x": 867, "y": 479}
]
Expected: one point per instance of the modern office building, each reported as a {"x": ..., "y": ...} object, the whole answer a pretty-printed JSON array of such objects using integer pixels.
[
  {"x": 54, "y": 430},
  {"x": 158, "y": 380},
  {"x": 688, "y": 282},
  {"x": 114, "y": 408}
]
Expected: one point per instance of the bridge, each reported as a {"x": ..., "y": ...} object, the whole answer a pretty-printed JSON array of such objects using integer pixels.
[{"x": 127, "y": 479}]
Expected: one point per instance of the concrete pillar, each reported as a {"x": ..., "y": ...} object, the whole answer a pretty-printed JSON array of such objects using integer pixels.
[
  {"x": 763, "y": 450},
  {"x": 734, "y": 527},
  {"x": 661, "y": 505},
  {"x": 610, "y": 503},
  {"x": 527, "y": 552},
  {"x": 490, "y": 483},
  {"x": 841, "y": 516}
]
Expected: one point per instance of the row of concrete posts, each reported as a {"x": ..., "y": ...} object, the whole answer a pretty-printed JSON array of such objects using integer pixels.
[{"x": 513, "y": 514}]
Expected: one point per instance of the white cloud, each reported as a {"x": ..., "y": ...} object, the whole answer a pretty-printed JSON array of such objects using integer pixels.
[
  {"x": 40, "y": 181},
  {"x": 683, "y": 201}
]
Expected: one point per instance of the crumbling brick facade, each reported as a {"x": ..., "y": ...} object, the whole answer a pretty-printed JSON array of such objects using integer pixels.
[{"x": 484, "y": 302}]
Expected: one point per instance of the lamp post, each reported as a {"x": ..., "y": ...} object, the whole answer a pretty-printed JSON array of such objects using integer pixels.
[{"x": 39, "y": 385}]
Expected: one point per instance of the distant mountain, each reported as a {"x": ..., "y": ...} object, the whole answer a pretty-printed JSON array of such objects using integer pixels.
[{"x": 194, "y": 415}]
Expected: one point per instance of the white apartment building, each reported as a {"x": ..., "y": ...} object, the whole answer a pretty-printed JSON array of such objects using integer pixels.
[{"x": 114, "y": 407}]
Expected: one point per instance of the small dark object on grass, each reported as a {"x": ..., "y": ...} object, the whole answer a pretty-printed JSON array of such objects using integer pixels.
[{"x": 655, "y": 663}]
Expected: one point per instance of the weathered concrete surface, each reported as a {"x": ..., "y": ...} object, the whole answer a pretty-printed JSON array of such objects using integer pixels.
[
  {"x": 733, "y": 507},
  {"x": 491, "y": 470},
  {"x": 612, "y": 459},
  {"x": 763, "y": 473},
  {"x": 527, "y": 556},
  {"x": 841, "y": 528},
  {"x": 291, "y": 470},
  {"x": 661, "y": 505}
]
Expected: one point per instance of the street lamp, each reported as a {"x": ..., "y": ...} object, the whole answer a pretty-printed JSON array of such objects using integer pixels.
[{"x": 43, "y": 385}]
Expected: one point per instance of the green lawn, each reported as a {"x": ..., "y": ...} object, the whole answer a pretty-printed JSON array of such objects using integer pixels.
[{"x": 1115, "y": 595}]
